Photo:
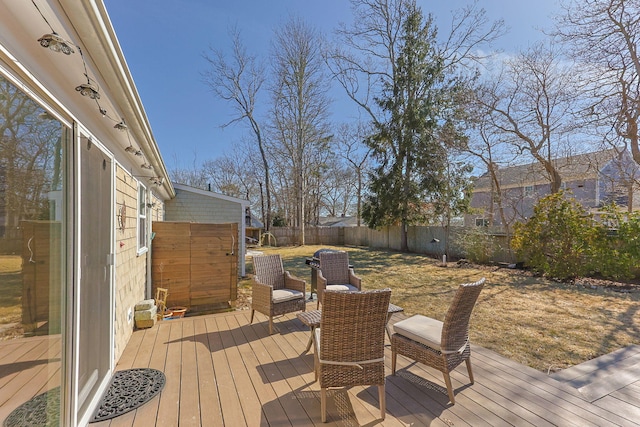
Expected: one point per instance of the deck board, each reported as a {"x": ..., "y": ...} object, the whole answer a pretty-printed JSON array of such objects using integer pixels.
[{"x": 222, "y": 371}]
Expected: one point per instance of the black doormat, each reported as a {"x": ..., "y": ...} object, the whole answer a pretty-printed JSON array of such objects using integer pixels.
[
  {"x": 128, "y": 390},
  {"x": 39, "y": 411}
]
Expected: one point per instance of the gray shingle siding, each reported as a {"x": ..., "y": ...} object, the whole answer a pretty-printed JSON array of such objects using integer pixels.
[{"x": 193, "y": 207}]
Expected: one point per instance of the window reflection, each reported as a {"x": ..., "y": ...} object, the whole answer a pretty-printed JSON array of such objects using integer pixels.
[{"x": 31, "y": 257}]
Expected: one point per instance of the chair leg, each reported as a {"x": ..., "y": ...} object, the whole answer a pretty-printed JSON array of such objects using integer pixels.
[
  {"x": 323, "y": 404},
  {"x": 447, "y": 380},
  {"x": 270, "y": 325},
  {"x": 252, "y": 313},
  {"x": 468, "y": 361},
  {"x": 381, "y": 397},
  {"x": 316, "y": 363},
  {"x": 394, "y": 357}
]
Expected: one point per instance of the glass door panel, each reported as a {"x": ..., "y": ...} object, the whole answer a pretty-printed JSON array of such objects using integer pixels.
[
  {"x": 33, "y": 227},
  {"x": 94, "y": 294}
]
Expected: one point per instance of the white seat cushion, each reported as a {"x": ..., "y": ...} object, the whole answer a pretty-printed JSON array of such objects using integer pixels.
[
  {"x": 341, "y": 288},
  {"x": 422, "y": 329},
  {"x": 282, "y": 295}
]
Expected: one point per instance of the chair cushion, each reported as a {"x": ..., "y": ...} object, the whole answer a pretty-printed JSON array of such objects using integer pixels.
[
  {"x": 282, "y": 295},
  {"x": 422, "y": 329},
  {"x": 345, "y": 287}
]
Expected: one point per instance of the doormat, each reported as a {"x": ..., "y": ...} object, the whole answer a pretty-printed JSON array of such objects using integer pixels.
[
  {"x": 128, "y": 390},
  {"x": 42, "y": 410}
]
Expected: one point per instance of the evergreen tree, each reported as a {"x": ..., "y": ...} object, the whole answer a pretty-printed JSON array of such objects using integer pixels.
[{"x": 410, "y": 146}]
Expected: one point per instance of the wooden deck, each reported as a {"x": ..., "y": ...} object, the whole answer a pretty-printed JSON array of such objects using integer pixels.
[
  {"x": 221, "y": 371},
  {"x": 28, "y": 367}
]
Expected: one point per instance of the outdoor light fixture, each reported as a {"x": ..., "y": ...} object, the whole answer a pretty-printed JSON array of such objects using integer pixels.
[
  {"x": 157, "y": 180},
  {"x": 132, "y": 150},
  {"x": 56, "y": 43},
  {"x": 121, "y": 126},
  {"x": 87, "y": 89}
]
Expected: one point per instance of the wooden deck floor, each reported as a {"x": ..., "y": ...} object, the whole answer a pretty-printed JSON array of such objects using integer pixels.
[{"x": 221, "y": 371}]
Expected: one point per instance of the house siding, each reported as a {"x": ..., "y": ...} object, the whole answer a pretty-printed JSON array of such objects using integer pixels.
[
  {"x": 131, "y": 267},
  {"x": 130, "y": 270},
  {"x": 592, "y": 180},
  {"x": 193, "y": 207}
]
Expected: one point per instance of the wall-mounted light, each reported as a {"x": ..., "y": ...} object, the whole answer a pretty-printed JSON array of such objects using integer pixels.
[
  {"x": 56, "y": 43},
  {"x": 87, "y": 89},
  {"x": 157, "y": 180},
  {"x": 121, "y": 126}
]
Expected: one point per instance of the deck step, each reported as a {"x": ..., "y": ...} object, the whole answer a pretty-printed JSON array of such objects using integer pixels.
[{"x": 603, "y": 375}]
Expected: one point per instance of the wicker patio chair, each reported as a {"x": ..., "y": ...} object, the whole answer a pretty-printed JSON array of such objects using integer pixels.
[
  {"x": 275, "y": 291},
  {"x": 349, "y": 345},
  {"x": 441, "y": 345},
  {"x": 335, "y": 274}
]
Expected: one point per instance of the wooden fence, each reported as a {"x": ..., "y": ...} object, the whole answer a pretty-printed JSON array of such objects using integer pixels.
[
  {"x": 430, "y": 240},
  {"x": 197, "y": 263},
  {"x": 41, "y": 274}
]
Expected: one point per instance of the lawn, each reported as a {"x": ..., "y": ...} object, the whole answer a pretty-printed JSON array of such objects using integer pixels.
[{"x": 537, "y": 322}]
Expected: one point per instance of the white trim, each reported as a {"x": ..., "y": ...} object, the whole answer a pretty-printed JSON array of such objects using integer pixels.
[
  {"x": 211, "y": 194},
  {"x": 142, "y": 212}
]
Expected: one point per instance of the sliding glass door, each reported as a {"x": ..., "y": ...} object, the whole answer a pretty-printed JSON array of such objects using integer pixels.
[{"x": 94, "y": 295}]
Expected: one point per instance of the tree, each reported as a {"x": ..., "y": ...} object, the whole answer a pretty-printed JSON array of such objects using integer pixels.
[
  {"x": 351, "y": 146},
  {"x": 531, "y": 103},
  {"x": 30, "y": 154},
  {"x": 392, "y": 66},
  {"x": 192, "y": 175},
  {"x": 411, "y": 158},
  {"x": 604, "y": 35},
  {"x": 300, "y": 106},
  {"x": 239, "y": 81}
]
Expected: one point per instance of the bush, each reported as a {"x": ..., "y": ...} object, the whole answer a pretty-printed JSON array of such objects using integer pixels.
[
  {"x": 478, "y": 245},
  {"x": 616, "y": 250},
  {"x": 557, "y": 240}
]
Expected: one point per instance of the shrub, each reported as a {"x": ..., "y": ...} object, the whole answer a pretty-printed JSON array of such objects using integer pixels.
[
  {"x": 478, "y": 245},
  {"x": 557, "y": 240},
  {"x": 616, "y": 250}
]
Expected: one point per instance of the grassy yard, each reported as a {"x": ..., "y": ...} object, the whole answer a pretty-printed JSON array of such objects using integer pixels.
[{"x": 544, "y": 324}]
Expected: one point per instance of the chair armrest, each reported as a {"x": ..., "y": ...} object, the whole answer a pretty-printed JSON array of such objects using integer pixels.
[
  {"x": 261, "y": 294},
  {"x": 291, "y": 282},
  {"x": 321, "y": 282},
  {"x": 355, "y": 280}
]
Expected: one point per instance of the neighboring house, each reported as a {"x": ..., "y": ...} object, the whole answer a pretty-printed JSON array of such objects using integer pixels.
[
  {"x": 81, "y": 180},
  {"x": 195, "y": 205},
  {"x": 338, "y": 221},
  {"x": 594, "y": 179}
]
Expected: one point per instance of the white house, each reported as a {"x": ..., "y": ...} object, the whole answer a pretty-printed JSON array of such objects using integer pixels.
[{"x": 81, "y": 179}]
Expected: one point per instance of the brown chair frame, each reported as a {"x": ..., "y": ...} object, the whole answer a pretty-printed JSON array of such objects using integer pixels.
[
  {"x": 454, "y": 342},
  {"x": 269, "y": 275},
  {"x": 335, "y": 270},
  {"x": 349, "y": 345}
]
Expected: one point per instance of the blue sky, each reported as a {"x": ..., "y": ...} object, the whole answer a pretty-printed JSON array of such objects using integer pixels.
[{"x": 164, "y": 40}]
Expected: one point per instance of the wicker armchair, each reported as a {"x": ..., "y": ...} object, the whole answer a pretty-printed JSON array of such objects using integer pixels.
[
  {"x": 335, "y": 274},
  {"x": 441, "y": 345},
  {"x": 349, "y": 345},
  {"x": 275, "y": 291}
]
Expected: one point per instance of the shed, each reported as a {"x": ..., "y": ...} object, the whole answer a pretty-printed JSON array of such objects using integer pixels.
[{"x": 207, "y": 207}]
